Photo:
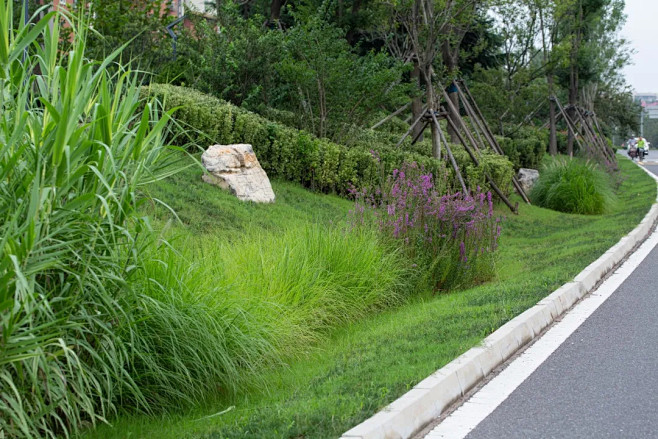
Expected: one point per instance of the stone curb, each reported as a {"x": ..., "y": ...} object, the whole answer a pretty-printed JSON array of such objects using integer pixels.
[{"x": 432, "y": 396}]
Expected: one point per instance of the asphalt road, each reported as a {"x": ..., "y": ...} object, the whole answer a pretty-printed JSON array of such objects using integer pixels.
[
  {"x": 603, "y": 381},
  {"x": 652, "y": 157}
]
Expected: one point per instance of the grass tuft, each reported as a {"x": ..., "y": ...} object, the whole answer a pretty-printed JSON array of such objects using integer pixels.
[{"x": 573, "y": 186}]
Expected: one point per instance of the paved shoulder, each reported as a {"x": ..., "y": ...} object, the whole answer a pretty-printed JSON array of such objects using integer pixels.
[{"x": 602, "y": 382}]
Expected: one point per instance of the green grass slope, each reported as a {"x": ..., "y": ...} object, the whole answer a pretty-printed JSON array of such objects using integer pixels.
[
  {"x": 365, "y": 365},
  {"x": 205, "y": 209}
]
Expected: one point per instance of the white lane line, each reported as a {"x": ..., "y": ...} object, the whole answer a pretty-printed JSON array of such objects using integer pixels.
[{"x": 463, "y": 420}]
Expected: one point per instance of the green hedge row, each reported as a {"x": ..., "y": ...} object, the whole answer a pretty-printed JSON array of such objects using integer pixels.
[{"x": 296, "y": 155}]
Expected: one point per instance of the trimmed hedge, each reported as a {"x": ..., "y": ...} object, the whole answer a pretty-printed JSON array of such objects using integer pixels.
[{"x": 296, "y": 155}]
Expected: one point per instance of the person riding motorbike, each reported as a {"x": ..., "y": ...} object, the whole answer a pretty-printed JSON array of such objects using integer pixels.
[{"x": 642, "y": 148}]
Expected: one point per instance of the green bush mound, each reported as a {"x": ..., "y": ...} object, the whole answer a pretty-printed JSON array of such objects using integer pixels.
[
  {"x": 573, "y": 186},
  {"x": 525, "y": 146},
  {"x": 296, "y": 155}
]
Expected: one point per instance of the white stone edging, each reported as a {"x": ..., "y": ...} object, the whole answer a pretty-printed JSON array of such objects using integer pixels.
[{"x": 432, "y": 396}]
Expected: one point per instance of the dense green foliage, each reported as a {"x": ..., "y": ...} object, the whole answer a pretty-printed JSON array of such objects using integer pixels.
[
  {"x": 310, "y": 74},
  {"x": 365, "y": 366},
  {"x": 223, "y": 312},
  {"x": 74, "y": 153},
  {"x": 525, "y": 146},
  {"x": 301, "y": 157},
  {"x": 106, "y": 312},
  {"x": 573, "y": 186}
]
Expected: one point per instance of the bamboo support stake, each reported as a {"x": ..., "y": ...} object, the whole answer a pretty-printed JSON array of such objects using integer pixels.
[
  {"x": 597, "y": 139},
  {"x": 570, "y": 124},
  {"x": 411, "y": 128},
  {"x": 513, "y": 208},
  {"x": 472, "y": 117},
  {"x": 390, "y": 116},
  {"x": 455, "y": 111},
  {"x": 557, "y": 119},
  {"x": 420, "y": 133},
  {"x": 489, "y": 136},
  {"x": 471, "y": 112},
  {"x": 481, "y": 116},
  {"x": 451, "y": 157},
  {"x": 600, "y": 132}
]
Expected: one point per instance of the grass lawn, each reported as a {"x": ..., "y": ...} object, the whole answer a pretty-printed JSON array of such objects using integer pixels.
[
  {"x": 204, "y": 209},
  {"x": 368, "y": 364}
]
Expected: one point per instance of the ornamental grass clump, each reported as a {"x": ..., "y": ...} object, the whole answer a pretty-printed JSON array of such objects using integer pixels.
[
  {"x": 574, "y": 186},
  {"x": 451, "y": 237}
]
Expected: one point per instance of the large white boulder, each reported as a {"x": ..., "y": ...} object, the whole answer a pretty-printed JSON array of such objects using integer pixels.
[
  {"x": 527, "y": 178},
  {"x": 235, "y": 168}
]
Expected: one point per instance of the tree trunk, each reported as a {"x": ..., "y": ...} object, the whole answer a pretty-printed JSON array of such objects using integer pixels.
[
  {"x": 417, "y": 102},
  {"x": 275, "y": 10},
  {"x": 450, "y": 55},
  {"x": 454, "y": 98},
  {"x": 573, "y": 74},
  {"x": 552, "y": 141},
  {"x": 573, "y": 100},
  {"x": 353, "y": 34},
  {"x": 550, "y": 79}
]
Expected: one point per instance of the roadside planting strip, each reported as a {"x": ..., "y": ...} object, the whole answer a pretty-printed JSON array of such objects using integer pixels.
[{"x": 435, "y": 394}]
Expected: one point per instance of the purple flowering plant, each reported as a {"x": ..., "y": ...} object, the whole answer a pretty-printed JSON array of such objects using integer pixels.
[{"x": 450, "y": 236}]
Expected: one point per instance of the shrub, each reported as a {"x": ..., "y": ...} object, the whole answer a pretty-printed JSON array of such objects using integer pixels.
[
  {"x": 303, "y": 158},
  {"x": 451, "y": 237},
  {"x": 525, "y": 147},
  {"x": 497, "y": 166},
  {"x": 573, "y": 186}
]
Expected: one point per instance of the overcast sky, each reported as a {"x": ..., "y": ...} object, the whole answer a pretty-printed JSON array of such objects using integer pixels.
[{"x": 641, "y": 30}]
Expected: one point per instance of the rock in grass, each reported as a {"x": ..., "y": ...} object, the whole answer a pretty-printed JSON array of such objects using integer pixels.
[
  {"x": 235, "y": 168},
  {"x": 527, "y": 178}
]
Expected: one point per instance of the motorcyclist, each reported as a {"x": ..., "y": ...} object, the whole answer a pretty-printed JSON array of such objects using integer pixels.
[{"x": 642, "y": 148}]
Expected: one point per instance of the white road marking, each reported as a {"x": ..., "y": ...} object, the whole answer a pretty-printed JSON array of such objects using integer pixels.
[{"x": 463, "y": 420}]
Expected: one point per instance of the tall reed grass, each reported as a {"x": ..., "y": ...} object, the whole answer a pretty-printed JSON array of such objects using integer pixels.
[{"x": 74, "y": 152}]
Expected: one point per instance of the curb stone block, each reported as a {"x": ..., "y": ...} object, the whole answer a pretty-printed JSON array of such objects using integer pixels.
[
  {"x": 489, "y": 358},
  {"x": 537, "y": 318},
  {"x": 504, "y": 341},
  {"x": 469, "y": 371},
  {"x": 590, "y": 276},
  {"x": 550, "y": 306},
  {"x": 444, "y": 389}
]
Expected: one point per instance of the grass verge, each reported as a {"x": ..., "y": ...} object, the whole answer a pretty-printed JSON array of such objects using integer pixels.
[{"x": 367, "y": 364}]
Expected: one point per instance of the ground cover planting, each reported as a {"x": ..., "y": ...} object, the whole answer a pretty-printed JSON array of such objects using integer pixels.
[{"x": 365, "y": 365}]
